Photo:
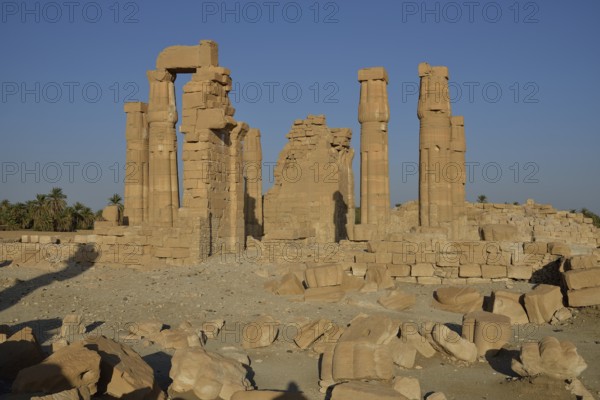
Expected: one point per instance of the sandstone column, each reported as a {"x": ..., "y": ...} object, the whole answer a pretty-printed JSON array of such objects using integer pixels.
[
  {"x": 136, "y": 168},
  {"x": 373, "y": 115},
  {"x": 458, "y": 149},
  {"x": 435, "y": 200},
  {"x": 162, "y": 116},
  {"x": 253, "y": 205}
]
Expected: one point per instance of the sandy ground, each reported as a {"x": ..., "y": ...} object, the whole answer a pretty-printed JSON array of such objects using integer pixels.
[{"x": 111, "y": 297}]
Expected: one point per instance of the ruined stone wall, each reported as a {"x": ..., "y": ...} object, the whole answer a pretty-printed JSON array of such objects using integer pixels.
[{"x": 313, "y": 195}]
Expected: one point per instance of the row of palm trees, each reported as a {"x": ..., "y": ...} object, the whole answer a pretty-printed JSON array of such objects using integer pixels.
[{"x": 50, "y": 212}]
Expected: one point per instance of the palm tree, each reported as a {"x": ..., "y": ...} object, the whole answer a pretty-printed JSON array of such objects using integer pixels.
[
  {"x": 5, "y": 208},
  {"x": 83, "y": 217},
  {"x": 65, "y": 222},
  {"x": 38, "y": 213},
  {"x": 56, "y": 205},
  {"x": 18, "y": 217},
  {"x": 482, "y": 198}
]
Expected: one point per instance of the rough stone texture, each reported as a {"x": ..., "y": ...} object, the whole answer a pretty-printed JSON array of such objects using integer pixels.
[
  {"x": 123, "y": 373},
  {"x": 253, "y": 201},
  {"x": 490, "y": 332},
  {"x": 397, "y": 300},
  {"x": 584, "y": 297},
  {"x": 582, "y": 278},
  {"x": 542, "y": 302},
  {"x": 403, "y": 353},
  {"x": 549, "y": 357},
  {"x": 162, "y": 146},
  {"x": 373, "y": 115},
  {"x": 407, "y": 387},
  {"x": 355, "y": 360},
  {"x": 136, "y": 157},
  {"x": 439, "y": 184},
  {"x": 310, "y": 332},
  {"x": 365, "y": 391},
  {"x": 267, "y": 395},
  {"x": 205, "y": 375},
  {"x": 146, "y": 328},
  {"x": 499, "y": 232},
  {"x": 324, "y": 275},
  {"x": 176, "y": 339},
  {"x": 376, "y": 329},
  {"x": 20, "y": 350},
  {"x": 71, "y": 367},
  {"x": 71, "y": 326},
  {"x": 453, "y": 344},
  {"x": 313, "y": 195},
  {"x": 289, "y": 285},
  {"x": 188, "y": 58},
  {"x": 330, "y": 294},
  {"x": 260, "y": 333},
  {"x": 458, "y": 299},
  {"x": 509, "y": 304}
]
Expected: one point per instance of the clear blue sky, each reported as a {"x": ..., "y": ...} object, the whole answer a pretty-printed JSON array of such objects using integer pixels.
[{"x": 542, "y": 56}]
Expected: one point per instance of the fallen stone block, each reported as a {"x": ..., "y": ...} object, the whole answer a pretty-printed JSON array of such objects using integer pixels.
[
  {"x": 324, "y": 275},
  {"x": 509, "y": 304},
  {"x": 542, "y": 302},
  {"x": 289, "y": 285},
  {"x": 365, "y": 391},
  {"x": 584, "y": 297},
  {"x": 212, "y": 328},
  {"x": 351, "y": 283},
  {"x": 409, "y": 333},
  {"x": 267, "y": 395},
  {"x": 71, "y": 367},
  {"x": 146, "y": 328},
  {"x": 458, "y": 299},
  {"x": 490, "y": 332},
  {"x": 176, "y": 339},
  {"x": 436, "y": 396},
  {"x": 260, "y": 333},
  {"x": 582, "y": 278},
  {"x": 380, "y": 276},
  {"x": 124, "y": 374},
  {"x": 205, "y": 375},
  {"x": 453, "y": 344},
  {"x": 71, "y": 326},
  {"x": 561, "y": 315},
  {"x": 403, "y": 354},
  {"x": 549, "y": 357},
  {"x": 20, "y": 350},
  {"x": 309, "y": 333},
  {"x": 407, "y": 387},
  {"x": 332, "y": 294},
  {"x": 71, "y": 394},
  {"x": 397, "y": 300},
  {"x": 376, "y": 329},
  {"x": 361, "y": 360}
]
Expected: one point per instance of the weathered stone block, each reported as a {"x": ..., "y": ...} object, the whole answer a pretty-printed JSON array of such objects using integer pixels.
[
  {"x": 542, "y": 302},
  {"x": 582, "y": 278}
]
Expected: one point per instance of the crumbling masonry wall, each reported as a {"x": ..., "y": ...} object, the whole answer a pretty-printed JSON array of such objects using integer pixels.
[{"x": 313, "y": 193}]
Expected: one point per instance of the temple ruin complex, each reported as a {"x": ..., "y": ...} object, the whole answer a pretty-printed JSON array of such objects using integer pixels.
[{"x": 440, "y": 238}]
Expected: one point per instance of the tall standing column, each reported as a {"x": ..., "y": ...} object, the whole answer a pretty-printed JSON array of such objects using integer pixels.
[
  {"x": 136, "y": 158},
  {"x": 435, "y": 200},
  {"x": 162, "y": 116},
  {"x": 458, "y": 148},
  {"x": 253, "y": 205},
  {"x": 373, "y": 115}
]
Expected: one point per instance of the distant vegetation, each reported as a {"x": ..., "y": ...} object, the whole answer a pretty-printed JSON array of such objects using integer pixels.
[
  {"x": 482, "y": 198},
  {"x": 50, "y": 212},
  {"x": 588, "y": 214}
]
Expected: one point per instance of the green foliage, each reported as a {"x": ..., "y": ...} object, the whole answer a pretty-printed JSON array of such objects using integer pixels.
[
  {"x": 588, "y": 214},
  {"x": 482, "y": 198},
  {"x": 47, "y": 212}
]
